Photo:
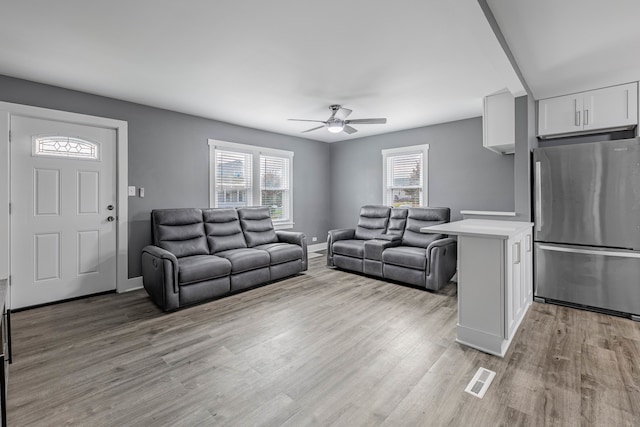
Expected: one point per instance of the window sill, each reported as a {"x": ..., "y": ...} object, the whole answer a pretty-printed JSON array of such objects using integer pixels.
[{"x": 283, "y": 225}]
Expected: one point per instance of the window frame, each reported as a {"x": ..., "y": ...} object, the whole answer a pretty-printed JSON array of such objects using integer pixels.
[
  {"x": 37, "y": 139},
  {"x": 402, "y": 151},
  {"x": 256, "y": 190}
]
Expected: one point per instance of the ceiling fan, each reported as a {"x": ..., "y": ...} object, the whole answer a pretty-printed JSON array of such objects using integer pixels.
[{"x": 338, "y": 121}]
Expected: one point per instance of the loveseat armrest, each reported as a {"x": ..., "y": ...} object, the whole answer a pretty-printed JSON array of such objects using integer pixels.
[
  {"x": 389, "y": 237},
  {"x": 334, "y": 236},
  {"x": 295, "y": 238},
  {"x": 373, "y": 248},
  {"x": 442, "y": 255},
  {"x": 160, "y": 276}
]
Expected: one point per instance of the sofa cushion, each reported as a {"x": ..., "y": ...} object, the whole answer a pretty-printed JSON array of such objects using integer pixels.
[
  {"x": 223, "y": 231},
  {"x": 179, "y": 231},
  {"x": 406, "y": 256},
  {"x": 352, "y": 248},
  {"x": 257, "y": 226},
  {"x": 423, "y": 217},
  {"x": 245, "y": 259},
  {"x": 373, "y": 220},
  {"x": 281, "y": 252},
  {"x": 397, "y": 221},
  {"x": 199, "y": 268}
]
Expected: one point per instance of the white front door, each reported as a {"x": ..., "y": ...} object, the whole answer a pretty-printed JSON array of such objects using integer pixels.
[{"x": 63, "y": 213}]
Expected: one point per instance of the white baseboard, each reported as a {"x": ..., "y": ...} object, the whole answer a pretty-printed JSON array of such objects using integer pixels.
[
  {"x": 317, "y": 247},
  {"x": 133, "y": 284}
]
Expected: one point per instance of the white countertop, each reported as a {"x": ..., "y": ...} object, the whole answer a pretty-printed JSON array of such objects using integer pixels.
[
  {"x": 487, "y": 213},
  {"x": 480, "y": 228}
]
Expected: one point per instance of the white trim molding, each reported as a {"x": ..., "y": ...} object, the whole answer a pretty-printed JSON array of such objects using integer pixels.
[
  {"x": 256, "y": 152},
  {"x": 122, "y": 171},
  {"x": 413, "y": 149},
  {"x": 317, "y": 247}
]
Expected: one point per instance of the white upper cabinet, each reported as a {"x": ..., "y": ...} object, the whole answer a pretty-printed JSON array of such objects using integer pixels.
[
  {"x": 498, "y": 123},
  {"x": 611, "y": 107},
  {"x": 601, "y": 110}
]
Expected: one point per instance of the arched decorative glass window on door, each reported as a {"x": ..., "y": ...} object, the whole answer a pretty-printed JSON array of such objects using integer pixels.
[{"x": 65, "y": 146}]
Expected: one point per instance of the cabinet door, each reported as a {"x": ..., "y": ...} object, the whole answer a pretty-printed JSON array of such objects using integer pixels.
[
  {"x": 611, "y": 107},
  {"x": 560, "y": 115},
  {"x": 498, "y": 122},
  {"x": 527, "y": 270},
  {"x": 513, "y": 284}
]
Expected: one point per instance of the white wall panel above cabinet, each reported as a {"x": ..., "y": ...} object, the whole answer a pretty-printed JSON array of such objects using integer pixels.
[{"x": 600, "y": 110}]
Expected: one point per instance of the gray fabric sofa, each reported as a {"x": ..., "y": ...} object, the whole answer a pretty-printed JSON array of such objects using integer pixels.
[
  {"x": 387, "y": 243},
  {"x": 200, "y": 254}
]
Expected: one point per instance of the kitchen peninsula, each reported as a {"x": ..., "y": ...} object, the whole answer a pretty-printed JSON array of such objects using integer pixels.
[{"x": 494, "y": 280}]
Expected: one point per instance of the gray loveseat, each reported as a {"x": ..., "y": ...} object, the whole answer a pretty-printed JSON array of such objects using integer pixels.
[
  {"x": 387, "y": 243},
  {"x": 200, "y": 254}
]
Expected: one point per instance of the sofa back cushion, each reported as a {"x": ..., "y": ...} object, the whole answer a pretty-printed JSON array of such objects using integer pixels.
[
  {"x": 372, "y": 222},
  {"x": 222, "y": 227},
  {"x": 423, "y": 217},
  {"x": 179, "y": 231},
  {"x": 257, "y": 226},
  {"x": 397, "y": 221}
]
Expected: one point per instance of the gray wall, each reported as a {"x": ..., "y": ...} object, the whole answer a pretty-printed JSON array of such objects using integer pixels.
[
  {"x": 168, "y": 156},
  {"x": 526, "y": 141},
  {"x": 462, "y": 174}
]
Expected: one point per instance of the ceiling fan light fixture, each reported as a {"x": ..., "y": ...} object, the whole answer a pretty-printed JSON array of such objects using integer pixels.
[{"x": 335, "y": 126}]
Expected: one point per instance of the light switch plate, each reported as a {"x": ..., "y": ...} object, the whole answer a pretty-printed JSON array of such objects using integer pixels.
[
  {"x": 141, "y": 191},
  {"x": 132, "y": 190}
]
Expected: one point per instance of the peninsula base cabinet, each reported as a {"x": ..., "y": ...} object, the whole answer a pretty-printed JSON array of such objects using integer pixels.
[{"x": 494, "y": 289}]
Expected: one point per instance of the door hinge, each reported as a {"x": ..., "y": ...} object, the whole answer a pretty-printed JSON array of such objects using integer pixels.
[
  {"x": 9, "y": 208},
  {"x": 9, "y": 136}
]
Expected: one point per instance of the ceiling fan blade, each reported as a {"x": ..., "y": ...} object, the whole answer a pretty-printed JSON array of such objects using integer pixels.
[
  {"x": 309, "y": 130},
  {"x": 368, "y": 121},
  {"x": 342, "y": 113},
  {"x": 305, "y": 120},
  {"x": 348, "y": 129}
]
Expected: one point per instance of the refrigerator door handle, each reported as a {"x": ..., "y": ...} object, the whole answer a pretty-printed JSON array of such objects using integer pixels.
[
  {"x": 538, "y": 189},
  {"x": 591, "y": 252}
]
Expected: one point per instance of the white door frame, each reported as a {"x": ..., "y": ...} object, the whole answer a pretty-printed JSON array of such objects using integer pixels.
[{"x": 123, "y": 283}]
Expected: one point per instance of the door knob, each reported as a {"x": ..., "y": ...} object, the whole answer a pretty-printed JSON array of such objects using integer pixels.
[
  {"x": 110, "y": 218},
  {"x": 110, "y": 207}
]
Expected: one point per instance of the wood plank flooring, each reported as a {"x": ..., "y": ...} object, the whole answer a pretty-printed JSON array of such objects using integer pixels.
[{"x": 323, "y": 348}]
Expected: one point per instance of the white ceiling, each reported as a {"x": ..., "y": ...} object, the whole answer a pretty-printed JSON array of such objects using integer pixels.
[
  {"x": 571, "y": 45},
  {"x": 256, "y": 63}
]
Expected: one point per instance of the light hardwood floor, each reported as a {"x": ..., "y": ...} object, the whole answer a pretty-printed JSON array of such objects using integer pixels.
[{"x": 323, "y": 348}]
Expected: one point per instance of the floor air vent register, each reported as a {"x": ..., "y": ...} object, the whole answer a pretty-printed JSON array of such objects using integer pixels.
[{"x": 480, "y": 382}]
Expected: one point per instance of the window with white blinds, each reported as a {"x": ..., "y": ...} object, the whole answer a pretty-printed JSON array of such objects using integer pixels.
[
  {"x": 275, "y": 186},
  {"x": 245, "y": 175},
  {"x": 233, "y": 178},
  {"x": 405, "y": 176}
]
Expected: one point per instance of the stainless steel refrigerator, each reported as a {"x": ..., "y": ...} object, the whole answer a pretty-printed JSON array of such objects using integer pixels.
[{"x": 587, "y": 225}]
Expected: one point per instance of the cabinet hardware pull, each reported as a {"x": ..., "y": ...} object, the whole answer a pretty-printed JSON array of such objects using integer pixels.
[
  {"x": 577, "y": 121},
  {"x": 586, "y": 117}
]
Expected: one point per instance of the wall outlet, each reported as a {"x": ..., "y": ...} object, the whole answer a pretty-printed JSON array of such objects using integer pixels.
[
  {"x": 314, "y": 239},
  {"x": 141, "y": 192},
  {"x": 132, "y": 190}
]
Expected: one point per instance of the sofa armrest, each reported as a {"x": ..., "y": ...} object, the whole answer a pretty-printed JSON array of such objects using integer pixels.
[
  {"x": 160, "y": 276},
  {"x": 389, "y": 237},
  {"x": 373, "y": 248},
  {"x": 334, "y": 236},
  {"x": 295, "y": 238},
  {"x": 442, "y": 255},
  {"x": 342, "y": 234}
]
